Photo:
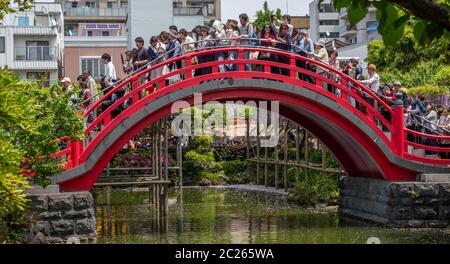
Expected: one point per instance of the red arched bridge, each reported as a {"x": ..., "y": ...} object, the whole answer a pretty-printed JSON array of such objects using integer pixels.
[{"x": 355, "y": 135}]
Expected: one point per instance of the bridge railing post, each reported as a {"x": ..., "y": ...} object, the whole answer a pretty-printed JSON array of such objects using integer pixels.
[
  {"x": 398, "y": 127},
  {"x": 76, "y": 147}
]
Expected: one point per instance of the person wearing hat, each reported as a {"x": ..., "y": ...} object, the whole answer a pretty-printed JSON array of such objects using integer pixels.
[
  {"x": 321, "y": 54},
  {"x": 374, "y": 79},
  {"x": 68, "y": 88},
  {"x": 397, "y": 86}
]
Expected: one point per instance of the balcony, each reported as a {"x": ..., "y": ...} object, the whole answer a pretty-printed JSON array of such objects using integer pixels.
[
  {"x": 95, "y": 12},
  {"x": 35, "y": 58},
  {"x": 347, "y": 31},
  {"x": 35, "y": 53},
  {"x": 343, "y": 13},
  {"x": 188, "y": 11}
]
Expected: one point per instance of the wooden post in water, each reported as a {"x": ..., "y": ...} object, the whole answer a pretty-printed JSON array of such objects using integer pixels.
[
  {"x": 276, "y": 167},
  {"x": 285, "y": 168},
  {"x": 266, "y": 169},
  {"x": 257, "y": 146},
  {"x": 166, "y": 150},
  {"x": 247, "y": 132},
  {"x": 180, "y": 161},
  {"x": 161, "y": 150}
]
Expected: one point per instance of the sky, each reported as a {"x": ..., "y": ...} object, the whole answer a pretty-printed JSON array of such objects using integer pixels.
[{"x": 232, "y": 8}]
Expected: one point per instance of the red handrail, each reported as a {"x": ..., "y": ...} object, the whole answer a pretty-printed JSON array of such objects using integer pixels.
[{"x": 347, "y": 85}]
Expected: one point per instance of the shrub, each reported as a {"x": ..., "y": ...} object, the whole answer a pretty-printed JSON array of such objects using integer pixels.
[
  {"x": 317, "y": 189},
  {"x": 236, "y": 171}
]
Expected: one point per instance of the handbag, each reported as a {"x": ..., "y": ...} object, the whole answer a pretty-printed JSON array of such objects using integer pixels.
[
  {"x": 264, "y": 56},
  {"x": 174, "y": 78}
]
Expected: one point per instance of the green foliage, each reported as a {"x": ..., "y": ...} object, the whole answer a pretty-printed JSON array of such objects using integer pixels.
[
  {"x": 393, "y": 19},
  {"x": 200, "y": 164},
  {"x": 263, "y": 16},
  {"x": 317, "y": 189},
  {"x": 236, "y": 171},
  {"x": 422, "y": 68},
  {"x": 31, "y": 118},
  {"x": 429, "y": 90},
  {"x": 442, "y": 77}
]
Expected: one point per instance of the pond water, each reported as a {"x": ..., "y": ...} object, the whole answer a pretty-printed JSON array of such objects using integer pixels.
[{"x": 228, "y": 216}]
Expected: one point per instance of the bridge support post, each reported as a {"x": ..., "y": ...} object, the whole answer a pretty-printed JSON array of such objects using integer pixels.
[
  {"x": 75, "y": 153},
  {"x": 398, "y": 128}
]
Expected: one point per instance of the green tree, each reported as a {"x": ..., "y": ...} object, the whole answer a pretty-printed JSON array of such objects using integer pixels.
[
  {"x": 424, "y": 69},
  {"x": 430, "y": 18},
  {"x": 31, "y": 118},
  {"x": 263, "y": 16},
  {"x": 7, "y": 6}
]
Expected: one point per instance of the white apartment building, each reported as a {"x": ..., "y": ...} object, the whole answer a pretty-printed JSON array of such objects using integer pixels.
[
  {"x": 364, "y": 31},
  {"x": 149, "y": 17},
  {"x": 324, "y": 21},
  {"x": 359, "y": 36},
  {"x": 32, "y": 42}
]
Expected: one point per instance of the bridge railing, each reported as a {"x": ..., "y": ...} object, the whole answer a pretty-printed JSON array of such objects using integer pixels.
[
  {"x": 348, "y": 87},
  {"x": 347, "y": 92}
]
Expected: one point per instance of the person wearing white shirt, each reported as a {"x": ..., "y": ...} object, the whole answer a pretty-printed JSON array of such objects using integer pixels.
[
  {"x": 374, "y": 80},
  {"x": 110, "y": 70}
]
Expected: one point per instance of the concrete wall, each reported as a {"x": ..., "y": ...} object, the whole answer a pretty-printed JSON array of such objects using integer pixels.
[
  {"x": 73, "y": 56},
  {"x": 147, "y": 18}
]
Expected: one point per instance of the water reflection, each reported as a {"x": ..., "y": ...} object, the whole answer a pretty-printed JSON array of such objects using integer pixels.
[{"x": 225, "y": 216}]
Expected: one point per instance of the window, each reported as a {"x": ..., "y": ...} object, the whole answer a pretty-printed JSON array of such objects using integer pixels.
[
  {"x": 123, "y": 4},
  {"x": 40, "y": 76},
  {"x": 74, "y": 4},
  {"x": 327, "y": 8},
  {"x": 2, "y": 44},
  {"x": 23, "y": 22},
  {"x": 38, "y": 50},
  {"x": 94, "y": 65},
  {"x": 111, "y": 5},
  {"x": 330, "y": 22},
  {"x": 90, "y": 33},
  {"x": 90, "y": 4},
  {"x": 105, "y": 33},
  {"x": 71, "y": 30}
]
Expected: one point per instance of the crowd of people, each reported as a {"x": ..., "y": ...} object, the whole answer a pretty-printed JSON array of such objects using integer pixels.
[{"x": 420, "y": 115}]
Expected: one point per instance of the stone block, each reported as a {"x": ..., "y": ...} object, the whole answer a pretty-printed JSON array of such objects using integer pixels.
[
  {"x": 427, "y": 213},
  {"x": 61, "y": 228},
  {"x": 436, "y": 224},
  {"x": 426, "y": 190},
  {"x": 74, "y": 215},
  {"x": 415, "y": 223},
  {"x": 39, "y": 203},
  {"x": 444, "y": 212},
  {"x": 83, "y": 200},
  {"x": 60, "y": 203},
  {"x": 85, "y": 226},
  {"x": 42, "y": 227},
  {"x": 402, "y": 213},
  {"x": 50, "y": 216}
]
